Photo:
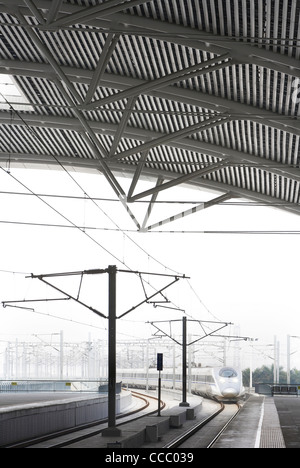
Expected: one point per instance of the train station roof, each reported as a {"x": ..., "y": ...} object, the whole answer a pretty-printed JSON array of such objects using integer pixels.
[{"x": 193, "y": 92}]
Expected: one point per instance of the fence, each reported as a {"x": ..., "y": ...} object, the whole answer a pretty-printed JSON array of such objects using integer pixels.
[
  {"x": 9, "y": 386},
  {"x": 283, "y": 389}
]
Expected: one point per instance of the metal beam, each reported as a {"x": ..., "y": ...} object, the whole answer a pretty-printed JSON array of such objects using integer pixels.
[
  {"x": 213, "y": 43},
  {"x": 188, "y": 72},
  {"x": 237, "y": 110},
  {"x": 202, "y": 147},
  {"x": 240, "y": 51},
  {"x": 184, "y": 214},
  {"x": 138, "y": 173},
  {"x": 90, "y": 137},
  {"x": 199, "y": 127},
  {"x": 95, "y": 146},
  {"x": 106, "y": 54},
  {"x": 237, "y": 192},
  {"x": 107, "y": 8},
  {"x": 36, "y": 12},
  {"x": 122, "y": 125},
  {"x": 180, "y": 180},
  {"x": 51, "y": 60},
  {"x": 53, "y": 11},
  {"x": 151, "y": 204},
  {"x": 153, "y": 174}
]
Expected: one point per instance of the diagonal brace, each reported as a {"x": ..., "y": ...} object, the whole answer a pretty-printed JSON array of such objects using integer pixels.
[
  {"x": 195, "y": 209},
  {"x": 187, "y": 73},
  {"x": 180, "y": 180},
  {"x": 150, "y": 297},
  {"x": 95, "y": 311},
  {"x": 172, "y": 137}
]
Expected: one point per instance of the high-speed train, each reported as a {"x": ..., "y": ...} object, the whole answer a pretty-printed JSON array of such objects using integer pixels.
[{"x": 219, "y": 383}]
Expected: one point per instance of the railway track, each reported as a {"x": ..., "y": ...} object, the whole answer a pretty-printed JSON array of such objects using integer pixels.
[
  {"x": 207, "y": 431},
  {"x": 70, "y": 436}
]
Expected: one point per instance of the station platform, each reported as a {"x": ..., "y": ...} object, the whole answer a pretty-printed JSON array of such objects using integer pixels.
[
  {"x": 288, "y": 408},
  {"x": 149, "y": 429},
  {"x": 256, "y": 426},
  {"x": 263, "y": 422}
]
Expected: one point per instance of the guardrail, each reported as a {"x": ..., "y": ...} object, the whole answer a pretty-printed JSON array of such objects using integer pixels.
[
  {"x": 286, "y": 390},
  {"x": 14, "y": 386},
  {"x": 277, "y": 389}
]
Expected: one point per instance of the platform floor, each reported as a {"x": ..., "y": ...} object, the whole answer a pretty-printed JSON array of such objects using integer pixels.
[
  {"x": 288, "y": 408},
  {"x": 131, "y": 432},
  {"x": 256, "y": 426},
  {"x": 264, "y": 422}
]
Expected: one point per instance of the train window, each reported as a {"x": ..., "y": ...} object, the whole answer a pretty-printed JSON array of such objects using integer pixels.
[{"x": 227, "y": 372}]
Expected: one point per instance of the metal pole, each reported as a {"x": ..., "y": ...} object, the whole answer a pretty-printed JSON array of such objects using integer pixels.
[
  {"x": 184, "y": 366},
  {"x": 278, "y": 363},
  {"x": 61, "y": 363},
  {"x": 190, "y": 367},
  {"x": 159, "y": 394},
  {"x": 112, "y": 430},
  {"x": 174, "y": 366},
  {"x": 275, "y": 359},
  {"x": 288, "y": 373},
  {"x": 147, "y": 366}
]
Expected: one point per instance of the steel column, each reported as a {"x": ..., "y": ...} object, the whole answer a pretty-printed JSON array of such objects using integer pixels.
[
  {"x": 112, "y": 430},
  {"x": 184, "y": 366}
]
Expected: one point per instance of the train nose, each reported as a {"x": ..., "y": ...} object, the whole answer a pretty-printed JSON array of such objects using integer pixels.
[{"x": 229, "y": 392}]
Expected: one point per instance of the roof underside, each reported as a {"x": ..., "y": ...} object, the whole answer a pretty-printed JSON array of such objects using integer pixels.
[{"x": 185, "y": 91}]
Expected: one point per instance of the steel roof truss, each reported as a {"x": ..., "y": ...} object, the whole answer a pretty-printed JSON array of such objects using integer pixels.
[
  {"x": 53, "y": 11},
  {"x": 189, "y": 72},
  {"x": 51, "y": 60},
  {"x": 106, "y": 54},
  {"x": 36, "y": 12},
  {"x": 122, "y": 126},
  {"x": 186, "y": 213},
  {"x": 89, "y": 14},
  {"x": 180, "y": 180},
  {"x": 138, "y": 173},
  {"x": 90, "y": 137},
  {"x": 285, "y": 123},
  {"x": 151, "y": 204},
  {"x": 190, "y": 130},
  {"x": 236, "y": 157},
  {"x": 213, "y": 43}
]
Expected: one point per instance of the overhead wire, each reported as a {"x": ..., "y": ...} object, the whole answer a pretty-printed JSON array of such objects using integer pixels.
[
  {"x": 154, "y": 202},
  {"x": 269, "y": 41},
  {"x": 206, "y": 231},
  {"x": 87, "y": 196},
  {"x": 34, "y": 311},
  {"x": 74, "y": 225},
  {"x": 61, "y": 214},
  {"x": 118, "y": 228}
]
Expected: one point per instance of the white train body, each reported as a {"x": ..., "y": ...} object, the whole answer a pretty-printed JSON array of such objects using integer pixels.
[{"x": 220, "y": 383}]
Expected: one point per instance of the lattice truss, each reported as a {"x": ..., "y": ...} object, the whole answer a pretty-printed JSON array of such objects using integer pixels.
[{"x": 182, "y": 91}]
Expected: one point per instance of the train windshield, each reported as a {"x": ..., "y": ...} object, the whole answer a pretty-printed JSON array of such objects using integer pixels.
[{"x": 227, "y": 372}]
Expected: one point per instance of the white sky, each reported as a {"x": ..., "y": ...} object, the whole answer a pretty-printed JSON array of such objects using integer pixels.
[{"x": 250, "y": 280}]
